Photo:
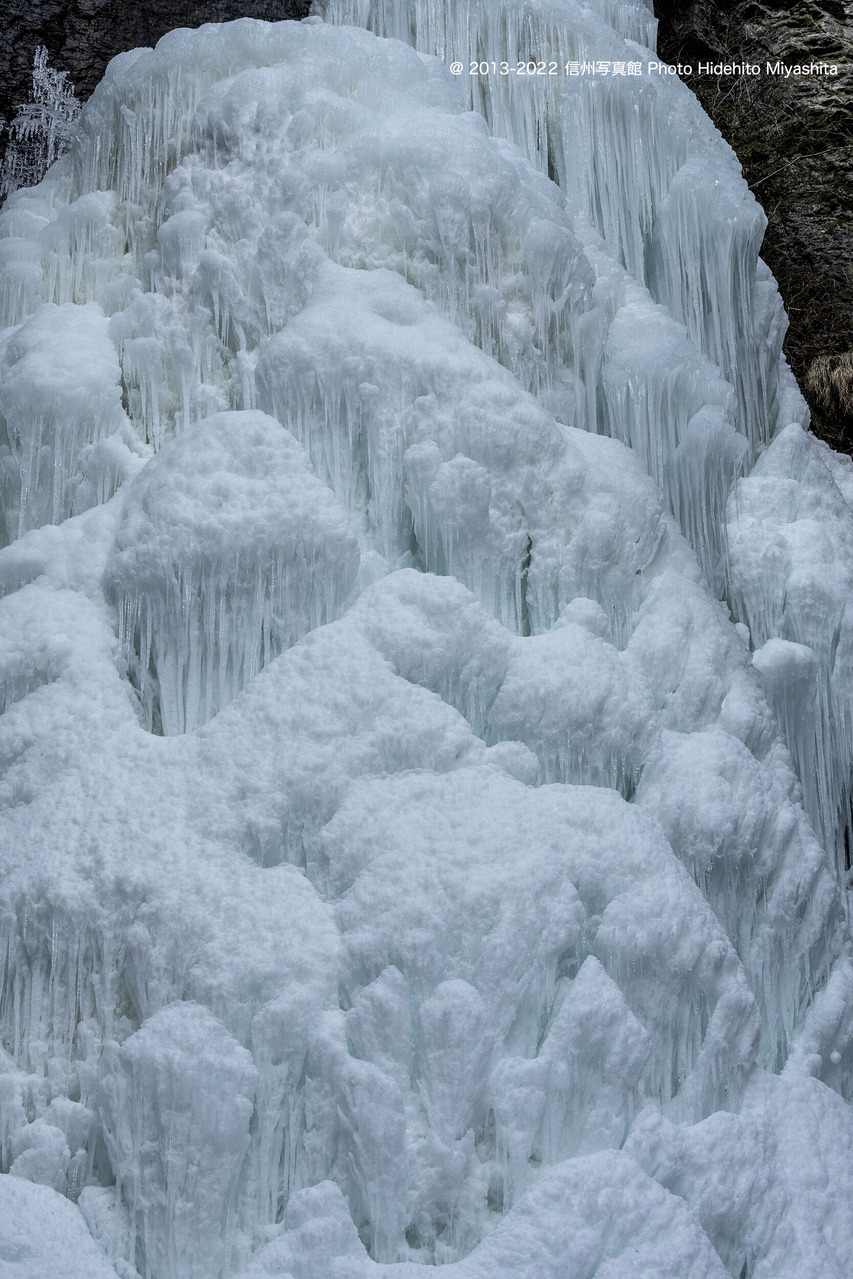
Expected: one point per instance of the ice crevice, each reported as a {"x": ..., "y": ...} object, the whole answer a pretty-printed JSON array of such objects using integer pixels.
[{"x": 405, "y": 858}]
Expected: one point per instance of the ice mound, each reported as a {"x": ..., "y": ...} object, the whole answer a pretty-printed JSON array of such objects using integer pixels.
[
  {"x": 472, "y": 901},
  {"x": 43, "y": 1236},
  {"x": 565, "y": 1226},
  {"x": 229, "y": 550}
]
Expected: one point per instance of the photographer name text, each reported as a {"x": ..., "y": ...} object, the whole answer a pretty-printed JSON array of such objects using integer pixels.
[{"x": 780, "y": 69}]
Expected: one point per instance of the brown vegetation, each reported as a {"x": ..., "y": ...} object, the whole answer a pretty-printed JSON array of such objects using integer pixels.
[{"x": 829, "y": 382}]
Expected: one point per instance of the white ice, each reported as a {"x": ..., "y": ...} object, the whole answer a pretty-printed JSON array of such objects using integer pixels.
[
  {"x": 791, "y": 541},
  {"x": 407, "y": 857},
  {"x": 229, "y": 550}
]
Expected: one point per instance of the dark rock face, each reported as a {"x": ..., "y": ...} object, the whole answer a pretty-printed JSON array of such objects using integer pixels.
[
  {"x": 794, "y": 139},
  {"x": 82, "y": 35}
]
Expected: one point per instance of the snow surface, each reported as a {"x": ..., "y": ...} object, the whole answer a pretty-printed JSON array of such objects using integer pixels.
[
  {"x": 407, "y": 856},
  {"x": 44, "y": 1236}
]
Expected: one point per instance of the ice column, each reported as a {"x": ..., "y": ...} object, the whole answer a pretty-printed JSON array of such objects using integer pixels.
[{"x": 177, "y": 1101}]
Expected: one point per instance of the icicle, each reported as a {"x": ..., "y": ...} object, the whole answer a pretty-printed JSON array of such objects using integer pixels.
[
  {"x": 201, "y": 613},
  {"x": 59, "y": 396}
]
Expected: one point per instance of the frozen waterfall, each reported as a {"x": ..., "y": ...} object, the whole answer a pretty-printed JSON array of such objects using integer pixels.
[{"x": 426, "y": 675}]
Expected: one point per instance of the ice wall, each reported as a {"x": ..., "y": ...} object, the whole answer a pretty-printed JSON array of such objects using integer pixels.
[{"x": 404, "y": 857}]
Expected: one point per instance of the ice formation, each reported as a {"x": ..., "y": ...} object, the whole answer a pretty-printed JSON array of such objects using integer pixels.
[
  {"x": 790, "y": 546},
  {"x": 425, "y": 672},
  {"x": 230, "y": 549}
]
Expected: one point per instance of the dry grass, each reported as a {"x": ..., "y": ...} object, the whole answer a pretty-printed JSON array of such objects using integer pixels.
[{"x": 830, "y": 381}]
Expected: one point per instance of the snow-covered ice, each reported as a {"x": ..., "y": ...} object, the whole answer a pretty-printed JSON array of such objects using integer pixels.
[
  {"x": 229, "y": 550},
  {"x": 425, "y": 673},
  {"x": 44, "y": 1236}
]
